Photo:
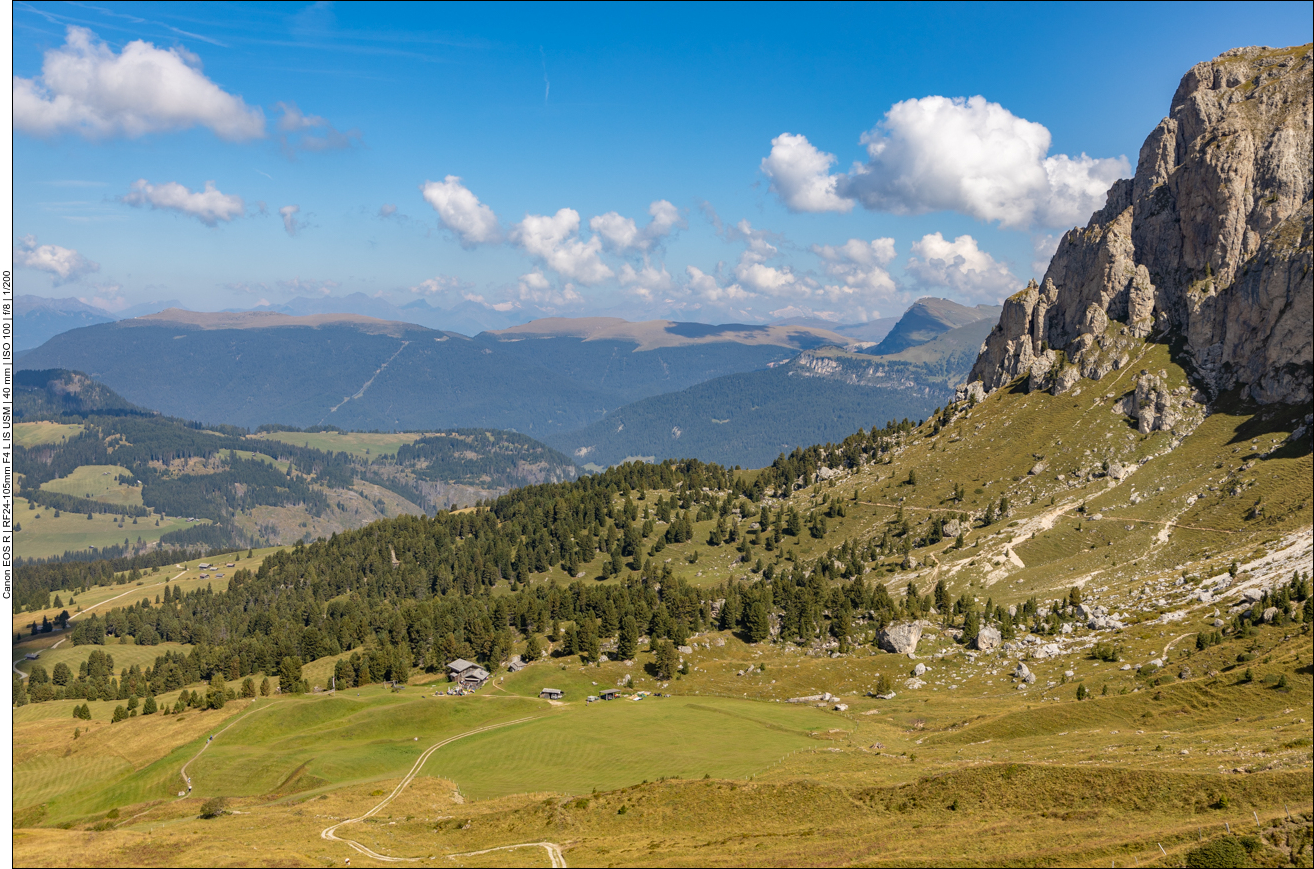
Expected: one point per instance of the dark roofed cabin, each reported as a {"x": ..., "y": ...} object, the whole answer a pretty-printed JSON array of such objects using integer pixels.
[
  {"x": 467, "y": 674},
  {"x": 610, "y": 694}
]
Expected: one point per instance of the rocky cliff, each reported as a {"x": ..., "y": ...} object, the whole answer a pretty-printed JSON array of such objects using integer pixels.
[{"x": 1207, "y": 247}]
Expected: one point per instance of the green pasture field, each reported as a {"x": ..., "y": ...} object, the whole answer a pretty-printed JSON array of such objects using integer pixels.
[
  {"x": 97, "y": 483},
  {"x": 47, "y": 536},
  {"x": 616, "y": 743},
  {"x": 261, "y": 457},
  {"x": 360, "y": 444},
  {"x": 368, "y": 734},
  {"x": 125, "y": 656},
  {"x": 33, "y": 434}
]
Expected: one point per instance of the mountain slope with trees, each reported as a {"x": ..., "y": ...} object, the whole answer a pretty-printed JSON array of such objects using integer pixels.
[{"x": 253, "y": 489}]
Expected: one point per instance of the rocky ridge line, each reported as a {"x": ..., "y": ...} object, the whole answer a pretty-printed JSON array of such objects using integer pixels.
[{"x": 1209, "y": 244}]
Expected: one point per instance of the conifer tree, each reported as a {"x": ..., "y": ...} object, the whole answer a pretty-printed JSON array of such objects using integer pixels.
[
  {"x": 666, "y": 659},
  {"x": 627, "y": 643},
  {"x": 758, "y": 622}
]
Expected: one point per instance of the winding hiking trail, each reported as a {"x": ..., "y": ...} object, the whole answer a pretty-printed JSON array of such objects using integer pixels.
[
  {"x": 330, "y": 833},
  {"x": 183, "y": 772},
  {"x": 555, "y": 856}
]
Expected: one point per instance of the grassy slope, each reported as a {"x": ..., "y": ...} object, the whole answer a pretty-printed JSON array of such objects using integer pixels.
[
  {"x": 31, "y": 434},
  {"x": 968, "y": 769},
  {"x": 787, "y": 783},
  {"x": 47, "y": 536},
  {"x": 97, "y": 483},
  {"x": 362, "y": 444}
]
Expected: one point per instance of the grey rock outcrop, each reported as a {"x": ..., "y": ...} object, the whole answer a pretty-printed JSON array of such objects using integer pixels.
[
  {"x": 1210, "y": 243},
  {"x": 987, "y": 639},
  {"x": 900, "y": 639}
]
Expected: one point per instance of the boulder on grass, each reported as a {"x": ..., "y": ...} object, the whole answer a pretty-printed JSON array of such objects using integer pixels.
[
  {"x": 900, "y": 639},
  {"x": 987, "y": 639}
]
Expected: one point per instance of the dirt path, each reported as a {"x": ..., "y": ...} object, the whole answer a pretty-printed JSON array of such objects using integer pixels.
[
  {"x": 23, "y": 675},
  {"x": 554, "y": 852},
  {"x": 1171, "y": 643},
  {"x": 134, "y": 590},
  {"x": 137, "y": 589},
  {"x": 330, "y": 833},
  {"x": 183, "y": 772}
]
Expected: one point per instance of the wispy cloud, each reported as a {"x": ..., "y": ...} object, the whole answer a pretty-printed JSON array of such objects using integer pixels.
[{"x": 208, "y": 206}]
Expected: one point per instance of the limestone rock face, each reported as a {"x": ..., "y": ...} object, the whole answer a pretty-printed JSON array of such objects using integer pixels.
[
  {"x": 900, "y": 639},
  {"x": 1210, "y": 243}
]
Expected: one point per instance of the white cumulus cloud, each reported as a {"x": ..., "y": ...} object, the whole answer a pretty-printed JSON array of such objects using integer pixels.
[
  {"x": 555, "y": 240},
  {"x": 461, "y": 211},
  {"x": 960, "y": 266},
  {"x": 621, "y": 234},
  {"x": 978, "y": 158},
  {"x": 208, "y": 206},
  {"x": 800, "y": 175},
  {"x": 754, "y": 275},
  {"x": 536, "y": 288},
  {"x": 859, "y": 264},
  {"x": 291, "y": 223},
  {"x": 962, "y": 154},
  {"x": 647, "y": 281},
  {"x": 85, "y": 88},
  {"x": 64, "y": 263},
  {"x": 705, "y": 286}
]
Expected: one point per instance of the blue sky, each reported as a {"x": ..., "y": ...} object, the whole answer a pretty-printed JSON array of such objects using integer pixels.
[{"x": 700, "y": 162}]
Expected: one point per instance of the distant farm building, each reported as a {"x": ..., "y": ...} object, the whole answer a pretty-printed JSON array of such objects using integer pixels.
[
  {"x": 467, "y": 674},
  {"x": 610, "y": 694},
  {"x": 551, "y": 694}
]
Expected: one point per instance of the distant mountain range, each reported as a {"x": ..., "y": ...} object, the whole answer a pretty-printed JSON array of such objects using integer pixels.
[
  {"x": 748, "y": 419},
  {"x": 599, "y": 388},
  {"x": 38, "y": 319},
  {"x": 467, "y": 318},
  {"x": 359, "y": 373}
]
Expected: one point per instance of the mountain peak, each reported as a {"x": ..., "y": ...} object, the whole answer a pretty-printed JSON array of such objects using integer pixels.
[
  {"x": 1209, "y": 245},
  {"x": 927, "y": 318}
]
